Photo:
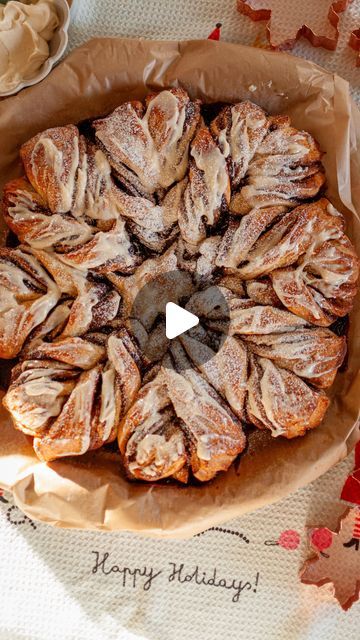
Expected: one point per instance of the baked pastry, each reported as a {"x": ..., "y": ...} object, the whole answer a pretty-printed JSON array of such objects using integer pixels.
[
  {"x": 72, "y": 393},
  {"x": 147, "y": 146},
  {"x": 107, "y": 221},
  {"x": 27, "y": 295}
]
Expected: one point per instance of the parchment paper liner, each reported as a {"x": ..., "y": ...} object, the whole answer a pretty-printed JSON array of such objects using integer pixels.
[{"x": 90, "y": 492}]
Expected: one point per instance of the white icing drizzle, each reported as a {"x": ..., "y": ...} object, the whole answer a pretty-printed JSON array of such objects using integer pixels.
[
  {"x": 65, "y": 177},
  {"x": 184, "y": 416},
  {"x": 223, "y": 143},
  {"x": 159, "y": 450},
  {"x": 42, "y": 231},
  {"x": 81, "y": 313},
  {"x": 107, "y": 414},
  {"x": 208, "y": 184},
  {"x": 158, "y": 157},
  {"x": 269, "y": 398},
  {"x": 19, "y": 317},
  {"x": 36, "y": 398},
  {"x": 204, "y": 446},
  {"x": 104, "y": 247},
  {"x": 215, "y": 177}
]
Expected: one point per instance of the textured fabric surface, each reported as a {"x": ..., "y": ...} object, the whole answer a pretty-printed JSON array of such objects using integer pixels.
[
  {"x": 59, "y": 584},
  {"x": 50, "y": 588},
  {"x": 192, "y": 19}
]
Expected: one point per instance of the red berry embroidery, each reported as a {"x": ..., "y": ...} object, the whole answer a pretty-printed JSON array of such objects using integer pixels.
[
  {"x": 289, "y": 539},
  {"x": 321, "y": 538}
]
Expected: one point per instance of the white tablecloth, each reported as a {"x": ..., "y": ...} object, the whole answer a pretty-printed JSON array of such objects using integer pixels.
[
  {"x": 59, "y": 585},
  {"x": 69, "y": 585}
]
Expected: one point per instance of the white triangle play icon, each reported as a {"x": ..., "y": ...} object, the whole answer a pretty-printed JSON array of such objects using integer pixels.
[{"x": 178, "y": 320}]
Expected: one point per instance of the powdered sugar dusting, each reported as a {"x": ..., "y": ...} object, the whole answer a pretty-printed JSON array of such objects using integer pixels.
[{"x": 233, "y": 205}]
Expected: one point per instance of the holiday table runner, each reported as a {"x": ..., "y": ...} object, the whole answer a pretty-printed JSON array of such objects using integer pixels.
[{"x": 240, "y": 580}]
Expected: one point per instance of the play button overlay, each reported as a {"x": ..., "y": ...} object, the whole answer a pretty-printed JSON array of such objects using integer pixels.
[{"x": 178, "y": 320}]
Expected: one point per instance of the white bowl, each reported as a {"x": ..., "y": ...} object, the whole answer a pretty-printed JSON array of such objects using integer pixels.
[{"x": 57, "y": 46}]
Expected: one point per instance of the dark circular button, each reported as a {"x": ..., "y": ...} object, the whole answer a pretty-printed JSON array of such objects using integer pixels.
[{"x": 190, "y": 348}]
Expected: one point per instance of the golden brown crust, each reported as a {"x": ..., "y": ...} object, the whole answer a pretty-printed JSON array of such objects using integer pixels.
[
  {"x": 85, "y": 390},
  {"x": 285, "y": 170},
  {"x": 280, "y": 401},
  {"x": 148, "y": 148},
  {"x": 207, "y": 190},
  {"x": 313, "y": 354},
  {"x": 50, "y": 163},
  {"x": 239, "y": 131},
  {"x": 27, "y": 295}
]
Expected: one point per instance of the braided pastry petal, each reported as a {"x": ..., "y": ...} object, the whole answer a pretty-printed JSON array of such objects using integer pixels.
[
  {"x": 312, "y": 265},
  {"x": 70, "y": 174},
  {"x": 51, "y": 161},
  {"x": 162, "y": 289},
  {"x": 27, "y": 294},
  {"x": 290, "y": 238},
  {"x": 278, "y": 400},
  {"x": 239, "y": 130},
  {"x": 154, "y": 225},
  {"x": 240, "y": 237},
  {"x": 70, "y": 408},
  {"x": 74, "y": 351},
  {"x": 150, "y": 438},
  {"x": 285, "y": 170},
  {"x": 313, "y": 354},
  {"x": 215, "y": 434},
  {"x": 96, "y": 306},
  {"x": 27, "y": 215},
  {"x": 107, "y": 251},
  {"x": 37, "y": 393},
  {"x": 92, "y": 304},
  {"x": 148, "y": 147},
  {"x": 262, "y": 291},
  {"x": 71, "y": 432},
  {"x": 178, "y": 421},
  {"x": 225, "y": 370},
  {"x": 207, "y": 190},
  {"x": 248, "y": 318}
]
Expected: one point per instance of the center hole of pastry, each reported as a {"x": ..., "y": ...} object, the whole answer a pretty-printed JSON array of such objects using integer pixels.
[{"x": 206, "y": 301}]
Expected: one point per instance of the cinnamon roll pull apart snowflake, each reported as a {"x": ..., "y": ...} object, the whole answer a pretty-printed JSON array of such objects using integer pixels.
[{"x": 107, "y": 221}]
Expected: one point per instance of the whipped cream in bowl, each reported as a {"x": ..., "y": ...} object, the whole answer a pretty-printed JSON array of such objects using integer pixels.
[{"x": 33, "y": 37}]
